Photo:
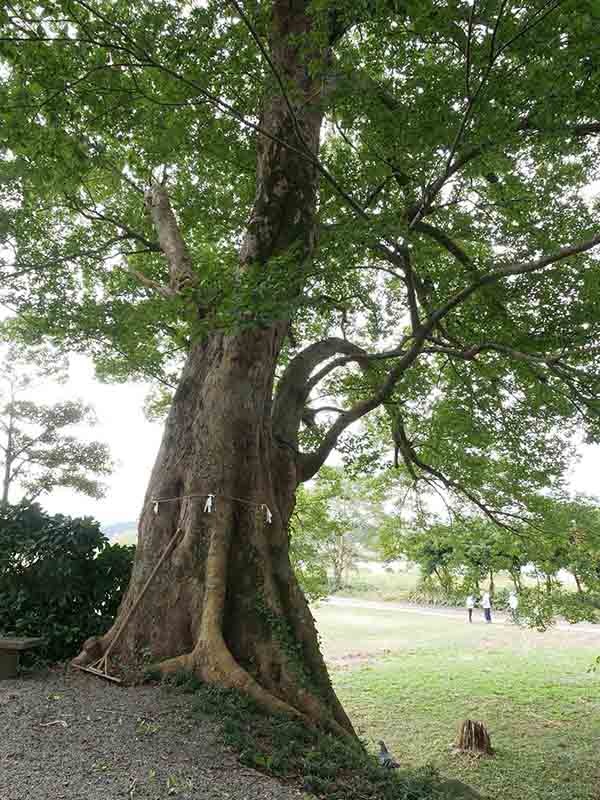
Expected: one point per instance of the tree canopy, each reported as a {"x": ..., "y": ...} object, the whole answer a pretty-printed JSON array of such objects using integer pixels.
[{"x": 452, "y": 288}]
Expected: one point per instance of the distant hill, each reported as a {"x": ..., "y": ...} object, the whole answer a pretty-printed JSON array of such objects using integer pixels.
[{"x": 121, "y": 532}]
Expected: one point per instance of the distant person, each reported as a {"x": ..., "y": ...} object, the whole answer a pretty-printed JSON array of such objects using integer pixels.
[
  {"x": 470, "y": 606},
  {"x": 513, "y": 602},
  {"x": 486, "y": 604}
]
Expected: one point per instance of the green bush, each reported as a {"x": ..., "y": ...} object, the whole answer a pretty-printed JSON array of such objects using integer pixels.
[
  {"x": 431, "y": 594},
  {"x": 60, "y": 578}
]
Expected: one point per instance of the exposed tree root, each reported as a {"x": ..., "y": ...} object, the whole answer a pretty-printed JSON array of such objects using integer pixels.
[
  {"x": 214, "y": 664},
  {"x": 222, "y": 669}
]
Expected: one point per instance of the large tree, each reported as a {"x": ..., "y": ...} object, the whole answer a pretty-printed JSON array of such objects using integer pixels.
[{"x": 382, "y": 204}]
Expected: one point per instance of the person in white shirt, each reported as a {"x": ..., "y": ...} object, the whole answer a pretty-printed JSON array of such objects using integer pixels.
[
  {"x": 486, "y": 604},
  {"x": 513, "y": 602},
  {"x": 470, "y": 606}
]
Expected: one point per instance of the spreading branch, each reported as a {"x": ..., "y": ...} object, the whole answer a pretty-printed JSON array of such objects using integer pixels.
[
  {"x": 310, "y": 463},
  {"x": 514, "y": 268},
  {"x": 446, "y": 242},
  {"x": 412, "y": 459}
]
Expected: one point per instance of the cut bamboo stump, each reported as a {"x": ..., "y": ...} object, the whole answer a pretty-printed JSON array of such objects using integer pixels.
[{"x": 474, "y": 738}]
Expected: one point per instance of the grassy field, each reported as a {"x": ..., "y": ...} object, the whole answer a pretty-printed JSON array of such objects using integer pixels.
[{"x": 410, "y": 678}]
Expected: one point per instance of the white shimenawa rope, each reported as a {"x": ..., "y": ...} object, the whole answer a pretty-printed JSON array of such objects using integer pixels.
[{"x": 210, "y": 502}]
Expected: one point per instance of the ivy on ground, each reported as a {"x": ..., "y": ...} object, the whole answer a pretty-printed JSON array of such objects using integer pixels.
[{"x": 322, "y": 764}]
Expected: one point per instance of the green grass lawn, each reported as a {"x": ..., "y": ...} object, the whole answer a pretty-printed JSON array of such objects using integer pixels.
[
  {"x": 411, "y": 678},
  {"x": 392, "y": 586}
]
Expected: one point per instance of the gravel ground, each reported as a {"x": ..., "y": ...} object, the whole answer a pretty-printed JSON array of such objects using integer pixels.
[{"x": 70, "y": 736}]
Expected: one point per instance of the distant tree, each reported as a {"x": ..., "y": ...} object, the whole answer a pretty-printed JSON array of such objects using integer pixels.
[
  {"x": 308, "y": 532},
  {"x": 431, "y": 549},
  {"x": 481, "y": 549},
  {"x": 569, "y": 540},
  {"x": 325, "y": 521},
  {"x": 560, "y": 533},
  {"x": 459, "y": 554},
  {"x": 337, "y": 515},
  {"x": 36, "y": 453}
]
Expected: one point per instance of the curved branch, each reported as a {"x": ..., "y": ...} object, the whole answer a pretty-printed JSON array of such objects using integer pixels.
[
  {"x": 149, "y": 283},
  {"x": 517, "y": 268},
  {"x": 310, "y": 463},
  {"x": 295, "y": 384},
  {"x": 411, "y": 459},
  {"x": 93, "y": 215},
  {"x": 571, "y": 377}
]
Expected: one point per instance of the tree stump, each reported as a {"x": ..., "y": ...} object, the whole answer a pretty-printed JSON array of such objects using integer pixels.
[{"x": 474, "y": 738}]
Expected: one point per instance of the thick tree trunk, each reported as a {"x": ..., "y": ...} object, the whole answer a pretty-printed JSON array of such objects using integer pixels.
[{"x": 225, "y": 604}]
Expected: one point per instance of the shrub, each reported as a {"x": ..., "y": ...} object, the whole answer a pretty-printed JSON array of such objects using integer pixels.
[
  {"x": 60, "y": 578},
  {"x": 431, "y": 594},
  {"x": 428, "y": 593}
]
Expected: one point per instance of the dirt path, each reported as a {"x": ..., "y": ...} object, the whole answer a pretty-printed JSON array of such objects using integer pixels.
[{"x": 452, "y": 613}]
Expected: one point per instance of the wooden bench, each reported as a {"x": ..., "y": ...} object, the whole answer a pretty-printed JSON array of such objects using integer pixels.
[{"x": 10, "y": 649}]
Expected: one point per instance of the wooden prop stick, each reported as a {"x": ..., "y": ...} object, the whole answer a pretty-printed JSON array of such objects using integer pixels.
[{"x": 100, "y": 667}]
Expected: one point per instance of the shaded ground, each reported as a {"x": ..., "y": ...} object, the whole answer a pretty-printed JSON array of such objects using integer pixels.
[
  {"x": 77, "y": 737},
  {"x": 410, "y": 676}
]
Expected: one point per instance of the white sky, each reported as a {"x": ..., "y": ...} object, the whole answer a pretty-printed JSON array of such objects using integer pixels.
[
  {"x": 586, "y": 474},
  {"x": 134, "y": 443}
]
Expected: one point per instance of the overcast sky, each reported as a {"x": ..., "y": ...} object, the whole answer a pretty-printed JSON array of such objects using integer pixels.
[{"x": 134, "y": 443}]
